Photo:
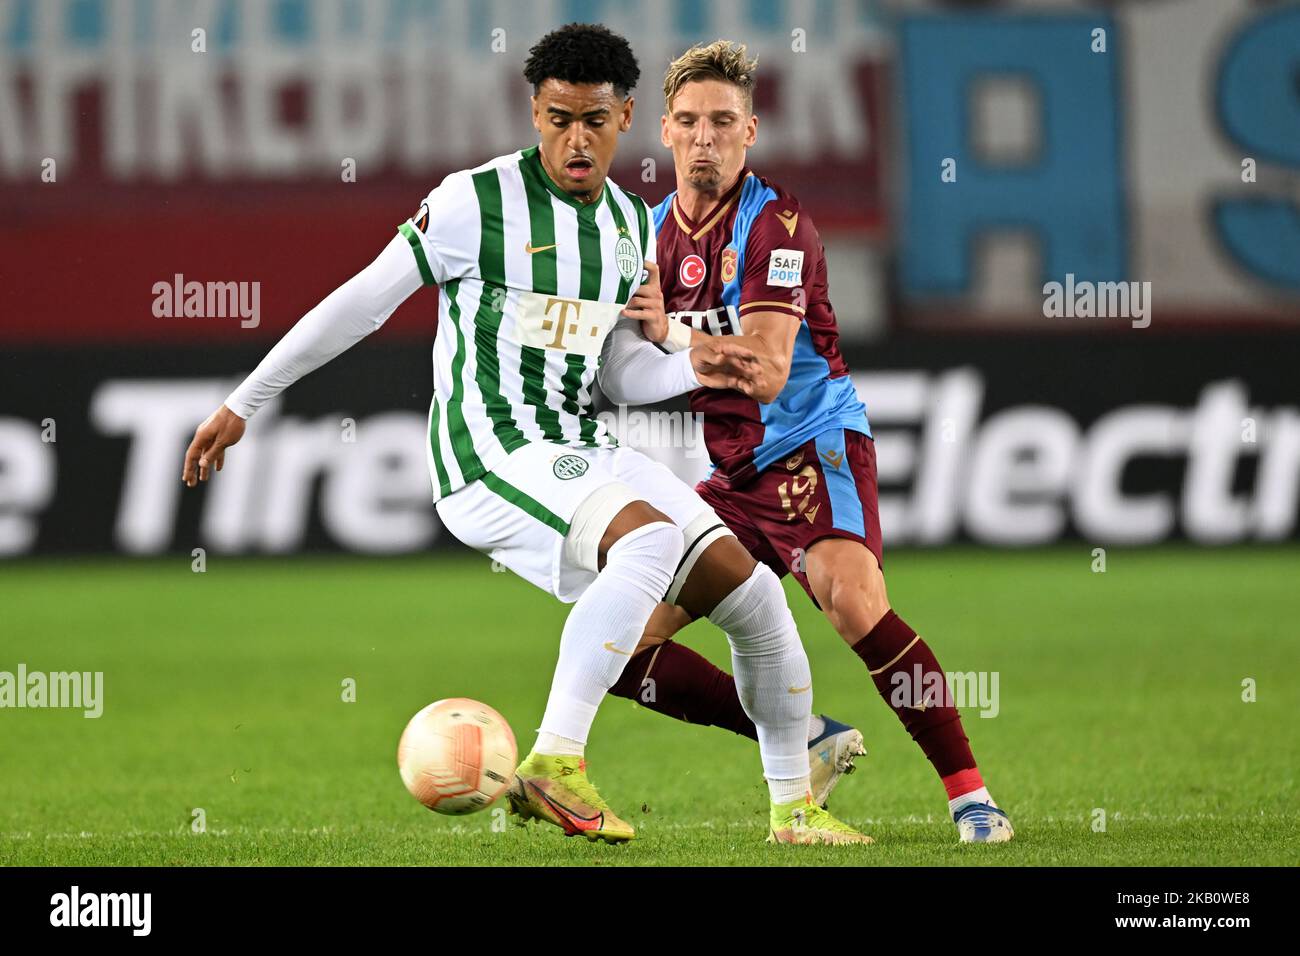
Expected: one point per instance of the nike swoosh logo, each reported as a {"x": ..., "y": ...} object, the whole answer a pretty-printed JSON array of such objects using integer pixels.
[
  {"x": 609, "y": 646},
  {"x": 533, "y": 250},
  {"x": 579, "y": 824},
  {"x": 920, "y": 706},
  {"x": 799, "y": 690}
]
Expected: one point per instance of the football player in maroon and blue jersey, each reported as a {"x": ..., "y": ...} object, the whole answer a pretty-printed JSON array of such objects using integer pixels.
[{"x": 794, "y": 462}]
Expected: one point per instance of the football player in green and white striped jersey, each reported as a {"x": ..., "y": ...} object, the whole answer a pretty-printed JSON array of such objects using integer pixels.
[
  {"x": 536, "y": 255},
  {"x": 531, "y": 281}
]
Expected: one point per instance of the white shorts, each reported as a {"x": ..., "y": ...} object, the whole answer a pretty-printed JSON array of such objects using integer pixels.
[{"x": 522, "y": 512}]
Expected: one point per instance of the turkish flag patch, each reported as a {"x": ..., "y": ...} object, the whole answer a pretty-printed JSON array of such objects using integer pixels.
[{"x": 691, "y": 272}]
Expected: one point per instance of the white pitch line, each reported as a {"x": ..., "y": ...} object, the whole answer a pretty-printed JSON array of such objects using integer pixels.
[{"x": 486, "y": 828}]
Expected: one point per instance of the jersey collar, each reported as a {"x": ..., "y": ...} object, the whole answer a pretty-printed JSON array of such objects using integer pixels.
[{"x": 697, "y": 230}]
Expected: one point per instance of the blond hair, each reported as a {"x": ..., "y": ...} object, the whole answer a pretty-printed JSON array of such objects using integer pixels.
[{"x": 720, "y": 60}]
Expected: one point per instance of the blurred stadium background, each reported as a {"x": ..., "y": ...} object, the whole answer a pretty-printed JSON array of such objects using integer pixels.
[
  {"x": 1173, "y": 157},
  {"x": 957, "y": 158}
]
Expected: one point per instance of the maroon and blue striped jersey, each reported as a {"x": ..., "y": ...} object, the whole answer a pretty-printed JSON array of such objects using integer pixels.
[{"x": 757, "y": 251}]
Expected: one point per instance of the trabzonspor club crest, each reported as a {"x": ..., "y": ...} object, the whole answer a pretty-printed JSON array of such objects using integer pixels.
[{"x": 728, "y": 263}]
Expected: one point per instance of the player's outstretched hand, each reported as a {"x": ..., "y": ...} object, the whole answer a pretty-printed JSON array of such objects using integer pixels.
[
  {"x": 208, "y": 449},
  {"x": 719, "y": 363},
  {"x": 647, "y": 305}
]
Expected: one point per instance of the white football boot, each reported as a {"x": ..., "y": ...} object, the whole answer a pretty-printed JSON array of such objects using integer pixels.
[
  {"x": 831, "y": 756},
  {"x": 982, "y": 823}
]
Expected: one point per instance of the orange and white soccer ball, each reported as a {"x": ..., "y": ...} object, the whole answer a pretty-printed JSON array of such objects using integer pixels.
[{"x": 457, "y": 755}]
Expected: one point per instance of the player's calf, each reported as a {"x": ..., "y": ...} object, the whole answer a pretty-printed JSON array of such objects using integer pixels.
[
  {"x": 601, "y": 631},
  {"x": 847, "y": 580},
  {"x": 772, "y": 677}
]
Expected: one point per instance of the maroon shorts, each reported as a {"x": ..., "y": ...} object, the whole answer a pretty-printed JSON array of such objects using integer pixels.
[{"x": 824, "y": 489}]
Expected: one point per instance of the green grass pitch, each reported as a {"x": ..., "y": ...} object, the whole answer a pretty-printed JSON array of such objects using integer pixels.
[{"x": 1119, "y": 692}]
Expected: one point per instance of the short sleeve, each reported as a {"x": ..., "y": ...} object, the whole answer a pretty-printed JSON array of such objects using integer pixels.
[
  {"x": 781, "y": 256},
  {"x": 444, "y": 232}
]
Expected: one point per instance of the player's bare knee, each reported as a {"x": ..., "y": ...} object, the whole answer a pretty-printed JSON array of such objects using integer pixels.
[
  {"x": 849, "y": 585},
  {"x": 724, "y": 566},
  {"x": 856, "y": 604}
]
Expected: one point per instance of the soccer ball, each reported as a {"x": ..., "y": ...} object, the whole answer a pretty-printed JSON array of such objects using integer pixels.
[{"x": 457, "y": 755}]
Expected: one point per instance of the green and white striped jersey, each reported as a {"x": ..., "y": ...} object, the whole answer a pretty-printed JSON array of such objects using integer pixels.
[{"x": 531, "y": 281}]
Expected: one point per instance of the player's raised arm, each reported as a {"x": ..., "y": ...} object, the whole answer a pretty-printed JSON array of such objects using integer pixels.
[{"x": 343, "y": 318}]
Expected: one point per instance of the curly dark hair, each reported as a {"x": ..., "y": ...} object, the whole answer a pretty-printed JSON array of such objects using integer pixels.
[{"x": 583, "y": 53}]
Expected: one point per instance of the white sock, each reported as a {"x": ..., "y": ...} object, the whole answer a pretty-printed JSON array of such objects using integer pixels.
[
  {"x": 769, "y": 663},
  {"x": 558, "y": 746},
  {"x": 816, "y": 727},
  {"x": 788, "y": 791},
  {"x": 605, "y": 625},
  {"x": 975, "y": 796}
]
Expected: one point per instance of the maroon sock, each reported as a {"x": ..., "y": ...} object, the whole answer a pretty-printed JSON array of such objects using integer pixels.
[
  {"x": 674, "y": 680},
  {"x": 927, "y": 712}
]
